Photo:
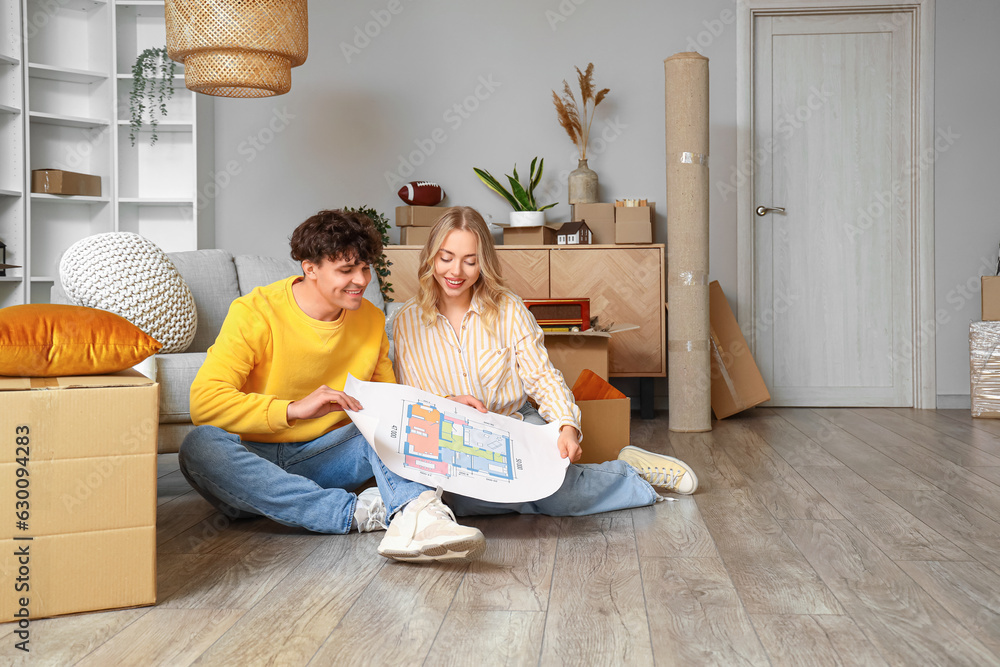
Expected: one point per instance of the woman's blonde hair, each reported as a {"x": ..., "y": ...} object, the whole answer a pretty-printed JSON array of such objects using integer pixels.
[{"x": 490, "y": 286}]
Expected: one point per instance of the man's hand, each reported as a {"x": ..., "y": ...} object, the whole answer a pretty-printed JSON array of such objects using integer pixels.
[
  {"x": 471, "y": 401},
  {"x": 569, "y": 443},
  {"x": 320, "y": 403}
]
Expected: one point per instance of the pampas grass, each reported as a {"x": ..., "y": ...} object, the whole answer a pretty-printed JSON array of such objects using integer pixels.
[{"x": 577, "y": 124}]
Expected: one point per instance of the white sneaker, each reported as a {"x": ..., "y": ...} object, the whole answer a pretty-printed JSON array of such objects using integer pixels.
[
  {"x": 369, "y": 512},
  {"x": 660, "y": 470},
  {"x": 426, "y": 530}
]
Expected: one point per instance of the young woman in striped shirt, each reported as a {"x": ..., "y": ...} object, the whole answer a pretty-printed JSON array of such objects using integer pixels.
[{"x": 467, "y": 337}]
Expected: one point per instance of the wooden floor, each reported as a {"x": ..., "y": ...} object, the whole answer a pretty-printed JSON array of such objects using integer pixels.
[{"x": 817, "y": 537}]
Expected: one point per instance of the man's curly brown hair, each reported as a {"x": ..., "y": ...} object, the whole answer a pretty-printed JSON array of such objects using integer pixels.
[{"x": 336, "y": 235}]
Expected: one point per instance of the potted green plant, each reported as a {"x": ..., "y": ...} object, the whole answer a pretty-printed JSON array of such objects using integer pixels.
[
  {"x": 382, "y": 264},
  {"x": 526, "y": 211},
  {"x": 152, "y": 87}
]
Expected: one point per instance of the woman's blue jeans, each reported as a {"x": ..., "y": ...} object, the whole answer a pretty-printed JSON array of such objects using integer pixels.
[
  {"x": 589, "y": 488},
  {"x": 305, "y": 484}
]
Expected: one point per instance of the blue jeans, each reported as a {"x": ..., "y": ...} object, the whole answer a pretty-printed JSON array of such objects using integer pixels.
[
  {"x": 303, "y": 484},
  {"x": 589, "y": 488}
]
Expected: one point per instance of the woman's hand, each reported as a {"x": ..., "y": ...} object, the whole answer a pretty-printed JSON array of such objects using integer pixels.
[
  {"x": 569, "y": 443},
  {"x": 471, "y": 401},
  {"x": 320, "y": 403}
]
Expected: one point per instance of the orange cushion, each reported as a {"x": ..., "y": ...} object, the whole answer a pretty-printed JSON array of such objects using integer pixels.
[{"x": 47, "y": 340}]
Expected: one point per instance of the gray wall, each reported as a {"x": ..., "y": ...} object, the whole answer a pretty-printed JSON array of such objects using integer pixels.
[
  {"x": 441, "y": 87},
  {"x": 967, "y": 173}
]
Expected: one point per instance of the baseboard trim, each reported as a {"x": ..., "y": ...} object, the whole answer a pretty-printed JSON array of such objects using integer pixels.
[{"x": 954, "y": 402}]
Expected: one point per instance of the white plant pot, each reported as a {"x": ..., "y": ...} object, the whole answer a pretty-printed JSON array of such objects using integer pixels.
[{"x": 527, "y": 218}]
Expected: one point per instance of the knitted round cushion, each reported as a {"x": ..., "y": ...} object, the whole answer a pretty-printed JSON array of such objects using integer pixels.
[{"x": 130, "y": 275}]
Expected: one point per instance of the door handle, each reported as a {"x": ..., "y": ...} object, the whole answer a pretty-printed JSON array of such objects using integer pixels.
[{"x": 764, "y": 210}]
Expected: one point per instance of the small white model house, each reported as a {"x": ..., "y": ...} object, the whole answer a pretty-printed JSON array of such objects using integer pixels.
[{"x": 574, "y": 233}]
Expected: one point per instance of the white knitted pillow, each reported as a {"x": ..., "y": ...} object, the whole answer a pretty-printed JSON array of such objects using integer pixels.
[{"x": 131, "y": 276}]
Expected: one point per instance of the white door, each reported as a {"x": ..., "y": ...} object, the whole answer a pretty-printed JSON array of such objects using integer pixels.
[{"x": 833, "y": 111}]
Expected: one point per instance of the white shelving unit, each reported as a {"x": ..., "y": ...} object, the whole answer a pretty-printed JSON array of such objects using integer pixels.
[
  {"x": 13, "y": 287},
  {"x": 158, "y": 184},
  {"x": 65, "y": 78}
]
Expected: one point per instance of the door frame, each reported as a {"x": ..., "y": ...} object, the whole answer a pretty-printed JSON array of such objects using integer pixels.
[{"x": 922, "y": 345}]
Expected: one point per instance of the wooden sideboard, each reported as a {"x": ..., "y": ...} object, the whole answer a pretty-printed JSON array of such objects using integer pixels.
[{"x": 625, "y": 284}]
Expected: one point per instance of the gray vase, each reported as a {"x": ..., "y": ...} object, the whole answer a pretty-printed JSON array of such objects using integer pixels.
[{"x": 582, "y": 184}]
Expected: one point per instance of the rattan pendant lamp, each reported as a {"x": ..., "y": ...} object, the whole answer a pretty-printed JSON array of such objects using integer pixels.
[{"x": 238, "y": 48}]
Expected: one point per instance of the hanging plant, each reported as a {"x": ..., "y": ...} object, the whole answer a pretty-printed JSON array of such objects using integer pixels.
[{"x": 152, "y": 88}]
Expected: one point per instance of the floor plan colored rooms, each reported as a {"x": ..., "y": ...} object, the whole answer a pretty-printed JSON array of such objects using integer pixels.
[{"x": 450, "y": 445}]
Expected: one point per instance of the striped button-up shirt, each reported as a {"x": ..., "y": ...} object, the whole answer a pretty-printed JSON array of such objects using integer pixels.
[{"x": 499, "y": 368}]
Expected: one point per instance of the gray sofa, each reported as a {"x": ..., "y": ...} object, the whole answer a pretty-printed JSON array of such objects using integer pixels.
[{"x": 215, "y": 278}]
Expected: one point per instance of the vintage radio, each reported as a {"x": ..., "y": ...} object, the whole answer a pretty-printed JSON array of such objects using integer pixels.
[{"x": 560, "y": 314}]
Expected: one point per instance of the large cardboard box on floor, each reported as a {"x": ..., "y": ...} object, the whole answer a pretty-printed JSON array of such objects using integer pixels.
[
  {"x": 419, "y": 216},
  {"x": 77, "y": 494},
  {"x": 991, "y": 298},
  {"x": 600, "y": 218},
  {"x": 736, "y": 381},
  {"x": 59, "y": 182},
  {"x": 605, "y": 418},
  {"x": 573, "y": 351}
]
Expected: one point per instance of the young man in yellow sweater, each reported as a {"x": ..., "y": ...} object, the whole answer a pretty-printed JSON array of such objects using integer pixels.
[{"x": 274, "y": 439}]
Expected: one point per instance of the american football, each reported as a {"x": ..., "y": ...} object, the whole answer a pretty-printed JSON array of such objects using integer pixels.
[{"x": 421, "y": 193}]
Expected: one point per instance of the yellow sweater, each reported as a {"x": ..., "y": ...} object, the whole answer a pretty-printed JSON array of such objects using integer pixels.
[{"x": 270, "y": 353}]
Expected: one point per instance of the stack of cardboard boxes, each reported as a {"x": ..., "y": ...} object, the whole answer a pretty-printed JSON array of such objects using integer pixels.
[
  {"x": 415, "y": 222},
  {"x": 611, "y": 224},
  {"x": 77, "y": 494}
]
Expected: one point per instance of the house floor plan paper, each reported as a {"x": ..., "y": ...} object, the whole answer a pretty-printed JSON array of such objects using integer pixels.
[{"x": 438, "y": 442}]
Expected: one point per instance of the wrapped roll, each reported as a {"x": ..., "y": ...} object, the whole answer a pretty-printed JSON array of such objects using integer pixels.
[{"x": 689, "y": 365}]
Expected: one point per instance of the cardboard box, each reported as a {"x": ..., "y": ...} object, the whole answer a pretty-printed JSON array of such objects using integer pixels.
[
  {"x": 419, "y": 216},
  {"x": 59, "y": 182},
  {"x": 635, "y": 213},
  {"x": 88, "y": 541},
  {"x": 633, "y": 232},
  {"x": 574, "y": 351},
  {"x": 991, "y": 298},
  {"x": 414, "y": 235},
  {"x": 541, "y": 235},
  {"x": 984, "y": 368},
  {"x": 736, "y": 381},
  {"x": 634, "y": 224},
  {"x": 600, "y": 218},
  {"x": 605, "y": 417}
]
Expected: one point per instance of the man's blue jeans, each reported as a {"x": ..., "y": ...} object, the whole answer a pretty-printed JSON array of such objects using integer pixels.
[
  {"x": 589, "y": 488},
  {"x": 303, "y": 484}
]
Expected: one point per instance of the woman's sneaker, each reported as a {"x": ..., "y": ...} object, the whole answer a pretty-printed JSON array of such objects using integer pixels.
[
  {"x": 369, "y": 512},
  {"x": 660, "y": 470},
  {"x": 426, "y": 530}
]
